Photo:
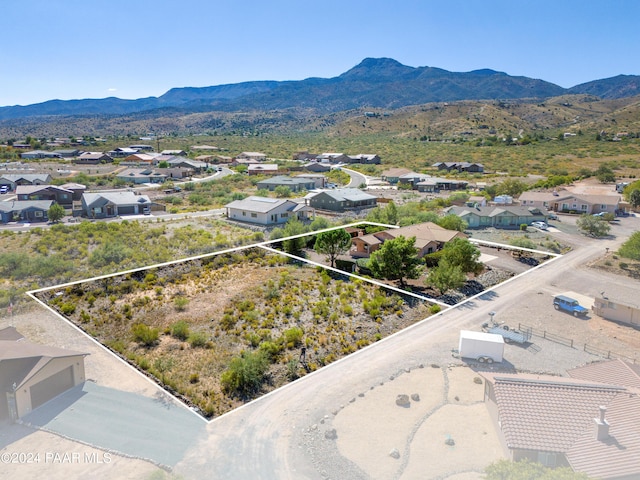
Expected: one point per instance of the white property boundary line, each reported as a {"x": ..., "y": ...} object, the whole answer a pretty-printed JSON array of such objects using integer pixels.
[{"x": 266, "y": 246}]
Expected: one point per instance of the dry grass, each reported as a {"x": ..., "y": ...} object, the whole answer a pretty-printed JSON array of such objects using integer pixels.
[{"x": 244, "y": 301}]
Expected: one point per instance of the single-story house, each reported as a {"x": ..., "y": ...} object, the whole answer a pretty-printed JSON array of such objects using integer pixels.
[
  {"x": 141, "y": 175},
  {"x": 32, "y": 374},
  {"x": 28, "y": 211},
  {"x": 38, "y": 154},
  {"x": 178, "y": 153},
  {"x": 121, "y": 152},
  {"x": 204, "y": 147},
  {"x": 262, "y": 169},
  {"x": 257, "y": 156},
  {"x": 319, "y": 180},
  {"x": 142, "y": 147},
  {"x": 588, "y": 421},
  {"x": 267, "y": 211},
  {"x": 295, "y": 184},
  {"x": 317, "y": 167},
  {"x": 436, "y": 184},
  {"x": 68, "y": 152},
  {"x": 59, "y": 195},
  {"x": 12, "y": 180},
  {"x": 304, "y": 156},
  {"x": 460, "y": 166},
  {"x": 332, "y": 158},
  {"x": 92, "y": 158},
  {"x": 364, "y": 158},
  {"x": 341, "y": 199},
  {"x": 77, "y": 189},
  {"x": 566, "y": 201},
  {"x": 617, "y": 311},
  {"x": 195, "y": 166},
  {"x": 113, "y": 204},
  {"x": 393, "y": 175},
  {"x": 498, "y": 216},
  {"x": 141, "y": 158},
  {"x": 429, "y": 238}
]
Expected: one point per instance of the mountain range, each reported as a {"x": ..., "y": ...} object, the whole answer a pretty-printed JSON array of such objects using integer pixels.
[{"x": 375, "y": 83}]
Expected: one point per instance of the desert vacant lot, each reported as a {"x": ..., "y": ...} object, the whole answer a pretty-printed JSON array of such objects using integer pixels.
[{"x": 220, "y": 330}]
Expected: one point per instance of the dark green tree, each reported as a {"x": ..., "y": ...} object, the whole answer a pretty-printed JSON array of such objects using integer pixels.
[
  {"x": 631, "y": 248},
  {"x": 333, "y": 243},
  {"x": 634, "y": 198},
  {"x": 452, "y": 222},
  {"x": 592, "y": 225},
  {"x": 396, "y": 259},
  {"x": 294, "y": 227},
  {"x": 446, "y": 276},
  {"x": 464, "y": 254},
  {"x": 55, "y": 213}
]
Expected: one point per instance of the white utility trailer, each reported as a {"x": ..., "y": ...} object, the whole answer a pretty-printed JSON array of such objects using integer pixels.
[{"x": 481, "y": 346}]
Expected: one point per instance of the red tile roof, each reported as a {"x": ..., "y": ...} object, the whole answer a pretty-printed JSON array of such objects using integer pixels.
[
  {"x": 615, "y": 372},
  {"x": 547, "y": 413},
  {"x": 617, "y": 456}
]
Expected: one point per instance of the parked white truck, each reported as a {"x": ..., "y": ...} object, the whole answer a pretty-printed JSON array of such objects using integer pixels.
[{"x": 481, "y": 346}]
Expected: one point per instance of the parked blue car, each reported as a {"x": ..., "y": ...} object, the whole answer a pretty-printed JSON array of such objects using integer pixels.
[{"x": 569, "y": 305}]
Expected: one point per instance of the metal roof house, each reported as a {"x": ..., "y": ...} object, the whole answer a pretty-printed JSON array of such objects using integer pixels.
[
  {"x": 267, "y": 211},
  {"x": 342, "y": 199}
]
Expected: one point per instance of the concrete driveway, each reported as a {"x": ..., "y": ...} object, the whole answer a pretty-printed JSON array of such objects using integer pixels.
[{"x": 157, "y": 429}]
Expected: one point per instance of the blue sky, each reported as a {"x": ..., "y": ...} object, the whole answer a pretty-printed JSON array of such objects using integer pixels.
[{"x": 72, "y": 49}]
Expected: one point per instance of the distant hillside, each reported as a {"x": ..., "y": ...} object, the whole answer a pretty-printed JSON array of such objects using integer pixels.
[
  {"x": 615, "y": 87},
  {"x": 375, "y": 83},
  {"x": 462, "y": 119}
]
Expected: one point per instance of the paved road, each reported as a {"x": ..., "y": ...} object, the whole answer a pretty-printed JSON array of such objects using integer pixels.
[{"x": 268, "y": 435}]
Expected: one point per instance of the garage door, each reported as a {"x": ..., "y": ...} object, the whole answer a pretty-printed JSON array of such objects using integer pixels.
[
  {"x": 128, "y": 210},
  {"x": 52, "y": 386}
]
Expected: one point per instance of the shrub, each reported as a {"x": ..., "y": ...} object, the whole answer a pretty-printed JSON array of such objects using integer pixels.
[
  {"x": 293, "y": 337},
  {"x": 180, "y": 330},
  {"x": 197, "y": 339},
  {"x": 68, "y": 308},
  {"x": 435, "y": 308},
  {"x": 523, "y": 227},
  {"x": 181, "y": 303},
  {"x": 245, "y": 373},
  {"x": 194, "y": 378},
  {"x": 145, "y": 335}
]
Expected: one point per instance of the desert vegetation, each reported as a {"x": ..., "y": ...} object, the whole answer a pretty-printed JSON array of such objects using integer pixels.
[{"x": 226, "y": 328}]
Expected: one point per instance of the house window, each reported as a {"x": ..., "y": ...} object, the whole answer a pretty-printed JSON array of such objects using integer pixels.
[
  {"x": 244, "y": 214},
  {"x": 547, "y": 459},
  {"x": 565, "y": 206},
  {"x": 37, "y": 214},
  {"x": 603, "y": 207},
  {"x": 611, "y": 305},
  {"x": 545, "y": 204},
  {"x": 583, "y": 208},
  {"x": 284, "y": 215},
  {"x": 254, "y": 215}
]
